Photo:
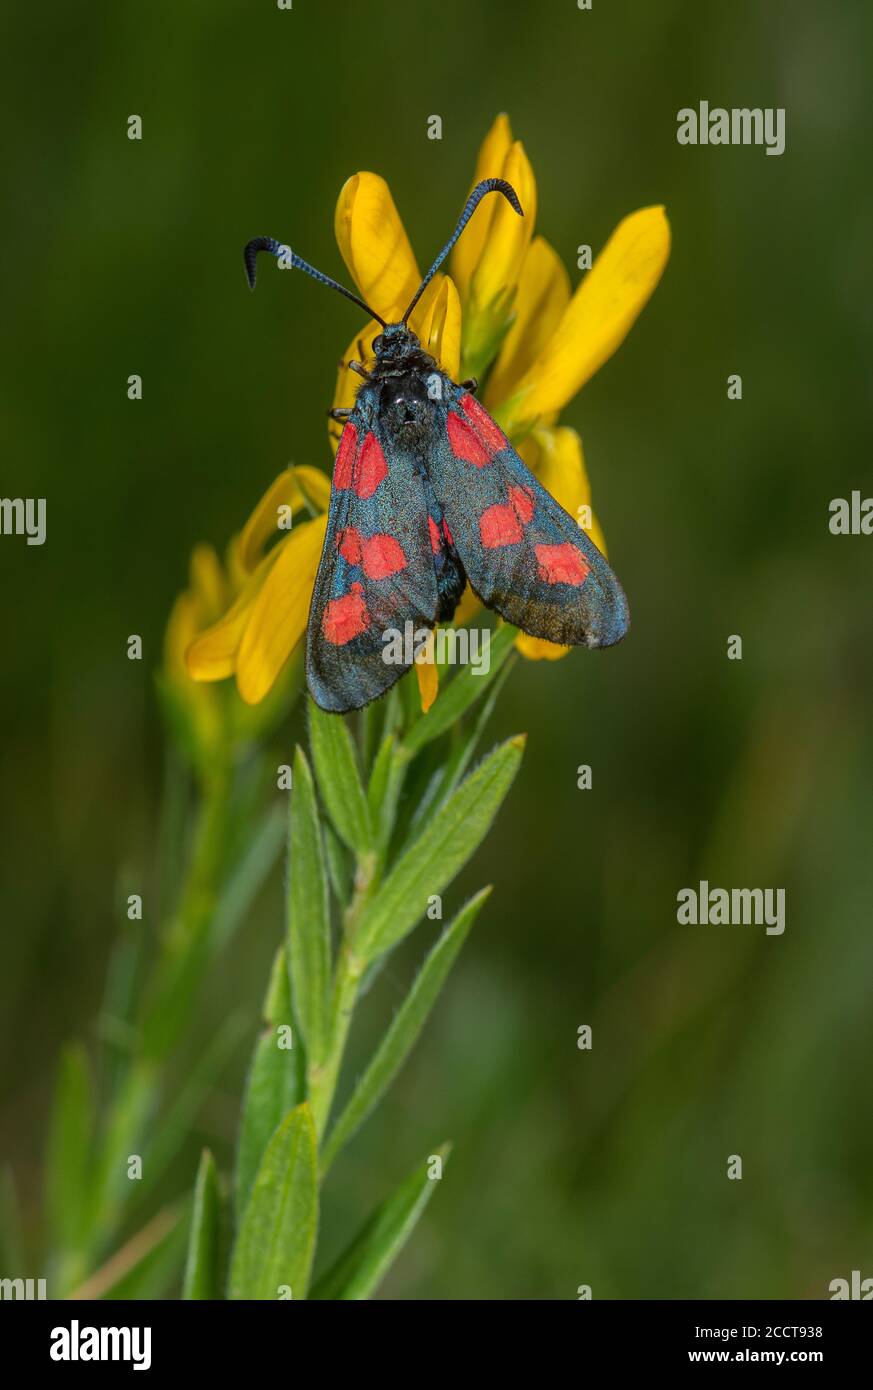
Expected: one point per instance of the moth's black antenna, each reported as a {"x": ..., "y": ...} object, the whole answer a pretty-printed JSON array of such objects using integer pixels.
[
  {"x": 289, "y": 260},
  {"x": 475, "y": 198}
]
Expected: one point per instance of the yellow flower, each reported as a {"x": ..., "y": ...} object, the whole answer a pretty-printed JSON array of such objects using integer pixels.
[
  {"x": 195, "y": 711},
  {"x": 487, "y": 265},
  {"x": 594, "y": 322},
  {"x": 506, "y": 315},
  {"x": 266, "y": 620},
  {"x": 381, "y": 262},
  {"x": 552, "y": 340}
]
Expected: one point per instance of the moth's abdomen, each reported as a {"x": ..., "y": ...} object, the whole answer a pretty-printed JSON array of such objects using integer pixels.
[
  {"x": 450, "y": 573},
  {"x": 451, "y": 582}
]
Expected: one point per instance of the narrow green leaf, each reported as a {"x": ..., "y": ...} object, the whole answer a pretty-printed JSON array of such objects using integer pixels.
[
  {"x": 462, "y": 756},
  {"x": 409, "y": 697},
  {"x": 276, "y": 1240},
  {"x": 338, "y": 864},
  {"x": 275, "y": 1083},
  {"x": 385, "y": 786},
  {"x": 393, "y": 716},
  {"x": 68, "y": 1169},
  {"x": 204, "y": 1267},
  {"x": 378, "y": 783},
  {"x": 308, "y": 914},
  {"x": 370, "y": 721},
  {"x": 450, "y": 838},
  {"x": 405, "y": 1028},
  {"x": 278, "y": 1006},
  {"x": 359, "y": 1271},
  {"x": 450, "y": 771},
  {"x": 336, "y": 768},
  {"x": 270, "y": 1082},
  {"x": 461, "y": 692}
]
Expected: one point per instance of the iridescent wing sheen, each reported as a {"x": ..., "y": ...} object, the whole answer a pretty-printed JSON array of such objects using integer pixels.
[
  {"x": 376, "y": 583},
  {"x": 524, "y": 555}
]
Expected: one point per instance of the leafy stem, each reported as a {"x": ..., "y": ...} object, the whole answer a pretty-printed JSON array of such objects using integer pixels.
[{"x": 346, "y": 982}]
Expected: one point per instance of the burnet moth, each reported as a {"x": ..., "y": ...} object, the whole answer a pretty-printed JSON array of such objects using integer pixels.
[{"x": 427, "y": 494}]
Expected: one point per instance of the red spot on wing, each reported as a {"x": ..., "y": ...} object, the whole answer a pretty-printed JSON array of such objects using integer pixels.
[
  {"x": 465, "y": 442},
  {"x": 492, "y": 435},
  {"x": 383, "y": 556},
  {"x": 436, "y": 540},
  {"x": 348, "y": 543},
  {"x": 562, "y": 564},
  {"x": 345, "y": 457},
  {"x": 379, "y": 556},
  {"x": 447, "y": 533},
  {"x": 522, "y": 502},
  {"x": 346, "y": 617},
  {"x": 504, "y": 523},
  {"x": 371, "y": 467},
  {"x": 499, "y": 525}
]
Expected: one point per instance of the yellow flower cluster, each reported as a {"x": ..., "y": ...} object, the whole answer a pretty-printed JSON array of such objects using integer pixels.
[{"x": 507, "y": 315}]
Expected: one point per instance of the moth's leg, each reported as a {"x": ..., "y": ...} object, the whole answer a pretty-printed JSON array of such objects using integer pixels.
[
  {"x": 340, "y": 412},
  {"x": 471, "y": 384},
  {"x": 360, "y": 369}
]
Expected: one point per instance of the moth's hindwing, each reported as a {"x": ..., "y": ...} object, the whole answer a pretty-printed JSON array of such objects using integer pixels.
[{"x": 524, "y": 555}]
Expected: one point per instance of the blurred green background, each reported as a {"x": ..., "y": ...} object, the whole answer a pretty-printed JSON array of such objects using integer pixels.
[{"x": 609, "y": 1167}]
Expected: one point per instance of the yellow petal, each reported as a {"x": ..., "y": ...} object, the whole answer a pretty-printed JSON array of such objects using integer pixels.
[
  {"x": 492, "y": 155},
  {"x": 436, "y": 321},
  {"x": 262, "y": 525},
  {"x": 543, "y": 295},
  {"x": 280, "y": 612},
  {"x": 468, "y": 606},
  {"x": 212, "y": 655},
  {"x": 375, "y": 246},
  {"x": 538, "y": 649},
  {"x": 314, "y": 486},
  {"x": 197, "y": 704},
  {"x": 295, "y": 488},
  {"x": 428, "y": 683},
  {"x": 489, "y": 303},
  {"x": 208, "y": 584},
  {"x": 597, "y": 319},
  {"x": 508, "y": 235},
  {"x": 237, "y": 574},
  {"x": 181, "y": 629},
  {"x": 348, "y": 383}
]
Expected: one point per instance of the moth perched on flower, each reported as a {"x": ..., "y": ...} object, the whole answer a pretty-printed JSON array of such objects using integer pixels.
[{"x": 428, "y": 490}]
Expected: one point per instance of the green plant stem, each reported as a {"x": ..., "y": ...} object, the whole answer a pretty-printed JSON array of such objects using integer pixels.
[{"x": 346, "y": 983}]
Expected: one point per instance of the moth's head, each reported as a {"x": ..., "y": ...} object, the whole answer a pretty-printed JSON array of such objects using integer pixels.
[{"x": 395, "y": 341}]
